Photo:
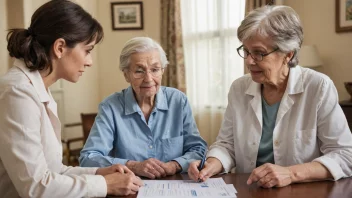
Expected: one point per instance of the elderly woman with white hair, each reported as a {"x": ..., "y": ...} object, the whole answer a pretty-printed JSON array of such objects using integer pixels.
[
  {"x": 147, "y": 127},
  {"x": 283, "y": 123}
]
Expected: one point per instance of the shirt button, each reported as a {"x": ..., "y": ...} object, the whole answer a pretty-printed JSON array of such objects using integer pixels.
[
  {"x": 151, "y": 146},
  {"x": 253, "y": 144},
  {"x": 252, "y": 163}
]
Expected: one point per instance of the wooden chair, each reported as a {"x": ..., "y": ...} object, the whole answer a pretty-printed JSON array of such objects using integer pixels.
[{"x": 87, "y": 123}]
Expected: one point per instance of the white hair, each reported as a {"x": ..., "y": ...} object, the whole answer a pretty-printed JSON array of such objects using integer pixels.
[
  {"x": 140, "y": 44},
  {"x": 280, "y": 24}
]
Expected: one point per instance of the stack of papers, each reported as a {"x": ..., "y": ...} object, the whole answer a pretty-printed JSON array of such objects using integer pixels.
[{"x": 213, "y": 187}]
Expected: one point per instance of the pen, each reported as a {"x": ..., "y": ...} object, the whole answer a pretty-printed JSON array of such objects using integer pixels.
[{"x": 202, "y": 162}]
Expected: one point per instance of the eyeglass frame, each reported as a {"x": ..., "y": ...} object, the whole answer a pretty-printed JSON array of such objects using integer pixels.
[
  {"x": 250, "y": 54},
  {"x": 147, "y": 71}
]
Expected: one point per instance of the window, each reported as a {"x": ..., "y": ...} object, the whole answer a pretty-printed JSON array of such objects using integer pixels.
[{"x": 210, "y": 42}]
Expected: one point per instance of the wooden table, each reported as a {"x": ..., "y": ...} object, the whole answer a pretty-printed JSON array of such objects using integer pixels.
[{"x": 321, "y": 189}]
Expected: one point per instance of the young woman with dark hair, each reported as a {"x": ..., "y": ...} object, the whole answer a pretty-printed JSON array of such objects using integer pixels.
[{"x": 57, "y": 45}]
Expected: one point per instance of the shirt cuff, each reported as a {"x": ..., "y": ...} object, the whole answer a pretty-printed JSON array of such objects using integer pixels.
[
  {"x": 332, "y": 166},
  {"x": 223, "y": 157},
  {"x": 97, "y": 186},
  {"x": 183, "y": 163},
  {"x": 89, "y": 170},
  {"x": 120, "y": 161}
]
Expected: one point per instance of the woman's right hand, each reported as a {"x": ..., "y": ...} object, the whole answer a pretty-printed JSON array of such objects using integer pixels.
[
  {"x": 212, "y": 166},
  {"x": 122, "y": 183},
  {"x": 151, "y": 168}
]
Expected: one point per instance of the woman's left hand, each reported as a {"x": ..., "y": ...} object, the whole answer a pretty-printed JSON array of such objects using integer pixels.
[
  {"x": 113, "y": 169},
  {"x": 270, "y": 175},
  {"x": 171, "y": 167}
]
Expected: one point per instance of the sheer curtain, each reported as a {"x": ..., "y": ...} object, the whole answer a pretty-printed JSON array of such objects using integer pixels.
[{"x": 209, "y": 36}]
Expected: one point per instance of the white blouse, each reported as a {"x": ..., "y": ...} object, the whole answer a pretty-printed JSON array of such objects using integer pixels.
[
  {"x": 30, "y": 143},
  {"x": 310, "y": 125}
]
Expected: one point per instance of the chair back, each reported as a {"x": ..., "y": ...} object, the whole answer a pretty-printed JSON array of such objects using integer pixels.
[{"x": 87, "y": 123}]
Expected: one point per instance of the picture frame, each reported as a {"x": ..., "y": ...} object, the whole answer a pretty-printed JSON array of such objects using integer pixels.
[
  {"x": 127, "y": 15},
  {"x": 343, "y": 15}
]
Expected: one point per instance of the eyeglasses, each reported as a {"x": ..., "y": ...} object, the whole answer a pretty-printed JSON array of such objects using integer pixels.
[
  {"x": 257, "y": 56},
  {"x": 140, "y": 73}
]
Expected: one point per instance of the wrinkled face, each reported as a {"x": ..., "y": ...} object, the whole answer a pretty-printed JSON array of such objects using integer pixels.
[
  {"x": 271, "y": 66},
  {"x": 147, "y": 63},
  {"x": 74, "y": 61}
]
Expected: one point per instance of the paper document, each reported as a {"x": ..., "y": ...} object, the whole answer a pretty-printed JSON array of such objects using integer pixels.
[{"x": 213, "y": 187}]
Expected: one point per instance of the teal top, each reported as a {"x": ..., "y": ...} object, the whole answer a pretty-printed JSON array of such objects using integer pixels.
[{"x": 265, "y": 151}]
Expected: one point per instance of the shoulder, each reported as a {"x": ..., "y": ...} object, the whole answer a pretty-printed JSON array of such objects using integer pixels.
[
  {"x": 241, "y": 84},
  {"x": 313, "y": 79},
  {"x": 17, "y": 83},
  {"x": 14, "y": 77},
  {"x": 117, "y": 97}
]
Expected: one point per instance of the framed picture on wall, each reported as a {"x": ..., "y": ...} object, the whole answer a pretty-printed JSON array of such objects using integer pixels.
[
  {"x": 127, "y": 15},
  {"x": 343, "y": 15}
]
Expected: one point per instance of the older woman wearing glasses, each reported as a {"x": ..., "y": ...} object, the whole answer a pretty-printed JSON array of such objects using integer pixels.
[
  {"x": 147, "y": 127},
  {"x": 283, "y": 123}
]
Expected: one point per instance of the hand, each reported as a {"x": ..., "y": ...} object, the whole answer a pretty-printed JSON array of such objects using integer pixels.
[
  {"x": 113, "y": 169},
  {"x": 122, "y": 183},
  {"x": 171, "y": 167},
  {"x": 270, "y": 175},
  {"x": 150, "y": 168},
  {"x": 212, "y": 166}
]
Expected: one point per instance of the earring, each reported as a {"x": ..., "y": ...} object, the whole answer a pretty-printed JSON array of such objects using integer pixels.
[{"x": 59, "y": 57}]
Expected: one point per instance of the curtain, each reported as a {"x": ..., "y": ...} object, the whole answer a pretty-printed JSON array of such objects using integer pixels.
[
  {"x": 171, "y": 41},
  {"x": 211, "y": 60}
]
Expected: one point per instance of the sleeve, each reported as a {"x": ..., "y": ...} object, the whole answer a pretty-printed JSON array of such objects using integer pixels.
[
  {"x": 22, "y": 151},
  {"x": 223, "y": 147},
  {"x": 100, "y": 141},
  {"x": 193, "y": 144},
  {"x": 334, "y": 134}
]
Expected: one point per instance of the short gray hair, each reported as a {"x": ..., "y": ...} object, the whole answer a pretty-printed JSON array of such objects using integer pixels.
[
  {"x": 140, "y": 44},
  {"x": 281, "y": 24}
]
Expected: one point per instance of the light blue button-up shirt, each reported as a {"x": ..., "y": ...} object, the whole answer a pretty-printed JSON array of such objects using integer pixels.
[{"x": 121, "y": 133}]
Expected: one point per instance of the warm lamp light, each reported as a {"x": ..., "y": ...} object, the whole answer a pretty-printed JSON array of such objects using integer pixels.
[{"x": 309, "y": 56}]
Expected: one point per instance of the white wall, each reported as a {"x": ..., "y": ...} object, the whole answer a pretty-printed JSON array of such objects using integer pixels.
[
  {"x": 110, "y": 77},
  {"x": 318, "y": 18},
  {"x": 83, "y": 96}
]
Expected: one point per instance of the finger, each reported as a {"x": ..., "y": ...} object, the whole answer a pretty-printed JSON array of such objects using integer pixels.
[
  {"x": 257, "y": 174},
  {"x": 193, "y": 171},
  {"x": 146, "y": 173},
  {"x": 150, "y": 164},
  {"x": 119, "y": 168},
  {"x": 269, "y": 184},
  {"x": 160, "y": 169},
  {"x": 264, "y": 180},
  {"x": 133, "y": 192},
  {"x": 134, "y": 187},
  {"x": 153, "y": 171},
  {"x": 206, "y": 171},
  {"x": 204, "y": 178},
  {"x": 127, "y": 170},
  {"x": 137, "y": 181}
]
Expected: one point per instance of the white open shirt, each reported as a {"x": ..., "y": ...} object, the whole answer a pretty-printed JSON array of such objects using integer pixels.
[
  {"x": 310, "y": 126},
  {"x": 30, "y": 143}
]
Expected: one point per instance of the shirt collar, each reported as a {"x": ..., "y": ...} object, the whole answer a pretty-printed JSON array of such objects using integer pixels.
[
  {"x": 294, "y": 83},
  {"x": 36, "y": 80},
  {"x": 131, "y": 105}
]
